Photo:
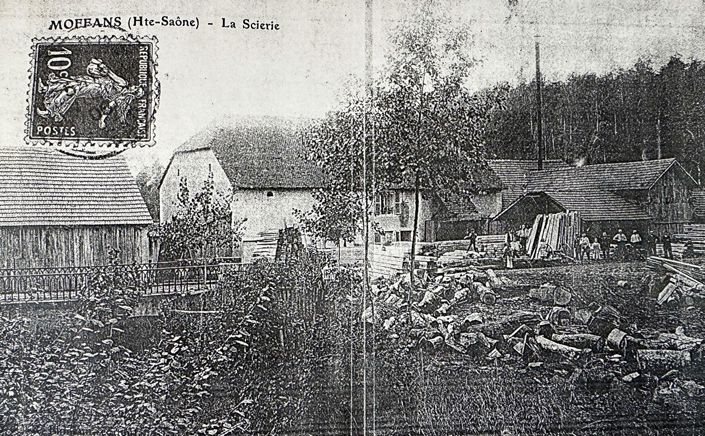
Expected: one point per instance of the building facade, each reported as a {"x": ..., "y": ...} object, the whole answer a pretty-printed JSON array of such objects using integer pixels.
[{"x": 58, "y": 211}]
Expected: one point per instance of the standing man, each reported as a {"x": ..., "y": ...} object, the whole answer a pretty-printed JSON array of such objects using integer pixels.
[
  {"x": 636, "y": 240},
  {"x": 667, "y": 249},
  {"x": 621, "y": 239},
  {"x": 651, "y": 241},
  {"x": 584, "y": 247},
  {"x": 472, "y": 236},
  {"x": 523, "y": 237},
  {"x": 605, "y": 246}
]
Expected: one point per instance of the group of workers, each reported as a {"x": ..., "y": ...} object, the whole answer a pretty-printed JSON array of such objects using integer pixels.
[{"x": 586, "y": 247}]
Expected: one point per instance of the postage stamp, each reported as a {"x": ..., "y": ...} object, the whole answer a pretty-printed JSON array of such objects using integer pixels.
[{"x": 93, "y": 91}]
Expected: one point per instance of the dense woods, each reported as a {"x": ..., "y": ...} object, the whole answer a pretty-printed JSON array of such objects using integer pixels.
[{"x": 642, "y": 112}]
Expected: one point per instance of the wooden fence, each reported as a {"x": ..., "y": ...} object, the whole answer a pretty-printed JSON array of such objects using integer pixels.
[{"x": 65, "y": 283}]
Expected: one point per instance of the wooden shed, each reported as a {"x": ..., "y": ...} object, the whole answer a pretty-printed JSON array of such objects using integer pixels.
[
  {"x": 58, "y": 210},
  {"x": 653, "y": 194}
]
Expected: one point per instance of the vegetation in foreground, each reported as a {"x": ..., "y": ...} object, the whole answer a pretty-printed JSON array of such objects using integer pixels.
[{"x": 249, "y": 358}]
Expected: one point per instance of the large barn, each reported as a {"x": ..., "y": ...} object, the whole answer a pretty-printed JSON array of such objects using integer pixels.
[
  {"x": 57, "y": 210},
  {"x": 642, "y": 195}
]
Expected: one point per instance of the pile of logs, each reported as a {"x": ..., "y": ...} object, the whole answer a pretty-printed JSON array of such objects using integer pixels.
[{"x": 553, "y": 333}]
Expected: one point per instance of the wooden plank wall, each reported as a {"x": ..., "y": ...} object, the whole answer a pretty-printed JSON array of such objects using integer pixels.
[
  {"x": 26, "y": 247},
  {"x": 669, "y": 203}
]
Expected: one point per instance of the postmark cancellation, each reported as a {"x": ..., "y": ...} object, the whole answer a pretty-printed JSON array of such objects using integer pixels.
[{"x": 93, "y": 91}]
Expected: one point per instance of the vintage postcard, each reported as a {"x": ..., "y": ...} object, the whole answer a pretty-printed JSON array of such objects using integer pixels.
[{"x": 352, "y": 217}]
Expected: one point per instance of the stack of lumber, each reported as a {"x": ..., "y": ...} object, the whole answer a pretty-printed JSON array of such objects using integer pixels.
[
  {"x": 493, "y": 245},
  {"x": 558, "y": 230},
  {"x": 390, "y": 260},
  {"x": 677, "y": 248},
  {"x": 457, "y": 261},
  {"x": 696, "y": 234},
  {"x": 683, "y": 280},
  {"x": 489, "y": 245},
  {"x": 266, "y": 245}
]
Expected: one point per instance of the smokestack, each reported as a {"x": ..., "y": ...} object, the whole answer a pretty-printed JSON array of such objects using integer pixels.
[{"x": 539, "y": 118}]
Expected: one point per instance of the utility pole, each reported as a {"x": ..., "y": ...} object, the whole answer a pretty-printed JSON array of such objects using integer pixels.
[
  {"x": 539, "y": 103},
  {"x": 366, "y": 127}
]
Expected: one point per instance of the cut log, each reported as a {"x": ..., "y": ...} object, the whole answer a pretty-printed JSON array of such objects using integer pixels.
[
  {"x": 472, "y": 319},
  {"x": 667, "y": 341},
  {"x": 662, "y": 360},
  {"x": 581, "y": 340},
  {"x": 487, "y": 295},
  {"x": 559, "y": 316},
  {"x": 667, "y": 295},
  {"x": 496, "y": 329},
  {"x": 565, "y": 351},
  {"x": 561, "y": 297},
  {"x": 543, "y": 293},
  {"x": 430, "y": 302},
  {"x": 545, "y": 329},
  {"x": 469, "y": 340},
  {"x": 604, "y": 320},
  {"x": 583, "y": 316},
  {"x": 617, "y": 340}
]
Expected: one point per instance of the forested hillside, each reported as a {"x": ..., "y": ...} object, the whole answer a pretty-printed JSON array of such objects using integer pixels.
[{"x": 637, "y": 113}]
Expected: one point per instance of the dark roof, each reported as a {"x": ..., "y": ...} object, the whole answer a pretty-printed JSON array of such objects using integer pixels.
[
  {"x": 599, "y": 205},
  {"x": 457, "y": 207},
  {"x": 43, "y": 187},
  {"x": 620, "y": 176},
  {"x": 592, "y": 205},
  {"x": 259, "y": 152},
  {"x": 514, "y": 175}
]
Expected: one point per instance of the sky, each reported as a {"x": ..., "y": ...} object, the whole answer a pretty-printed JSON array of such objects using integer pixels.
[{"x": 212, "y": 72}]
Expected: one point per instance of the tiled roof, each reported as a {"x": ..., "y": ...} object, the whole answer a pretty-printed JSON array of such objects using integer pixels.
[
  {"x": 514, "y": 175},
  {"x": 599, "y": 205},
  {"x": 607, "y": 177},
  {"x": 41, "y": 186},
  {"x": 259, "y": 152},
  {"x": 458, "y": 207}
]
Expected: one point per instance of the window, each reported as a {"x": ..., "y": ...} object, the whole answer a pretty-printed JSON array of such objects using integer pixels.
[
  {"x": 388, "y": 203},
  {"x": 270, "y": 194}
]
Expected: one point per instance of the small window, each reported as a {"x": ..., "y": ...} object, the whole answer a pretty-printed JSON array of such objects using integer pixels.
[
  {"x": 270, "y": 194},
  {"x": 178, "y": 172},
  {"x": 210, "y": 168}
]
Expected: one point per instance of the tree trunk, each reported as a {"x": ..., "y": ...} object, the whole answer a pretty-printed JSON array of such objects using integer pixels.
[
  {"x": 563, "y": 350},
  {"x": 414, "y": 234},
  {"x": 581, "y": 340},
  {"x": 506, "y": 325},
  {"x": 662, "y": 360}
]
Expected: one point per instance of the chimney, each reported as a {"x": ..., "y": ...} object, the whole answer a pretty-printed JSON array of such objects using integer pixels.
[{"x": 539, "y": 118}]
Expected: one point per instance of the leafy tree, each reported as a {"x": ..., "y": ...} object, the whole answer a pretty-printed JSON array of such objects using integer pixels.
[
  {"x": 148, "y": 183},
  {"x": 335, "y": 217},
  {"x": 423, "y": 129},
  {"x": 202, "y": 225}
]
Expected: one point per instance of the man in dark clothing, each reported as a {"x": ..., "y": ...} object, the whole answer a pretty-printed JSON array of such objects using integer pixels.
[
  {"x": 472, "y": 236},
  {"x": 667, "y": 250},
  {"x": 651, "y": 241},
  {"x": 605, "y": 246}
]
